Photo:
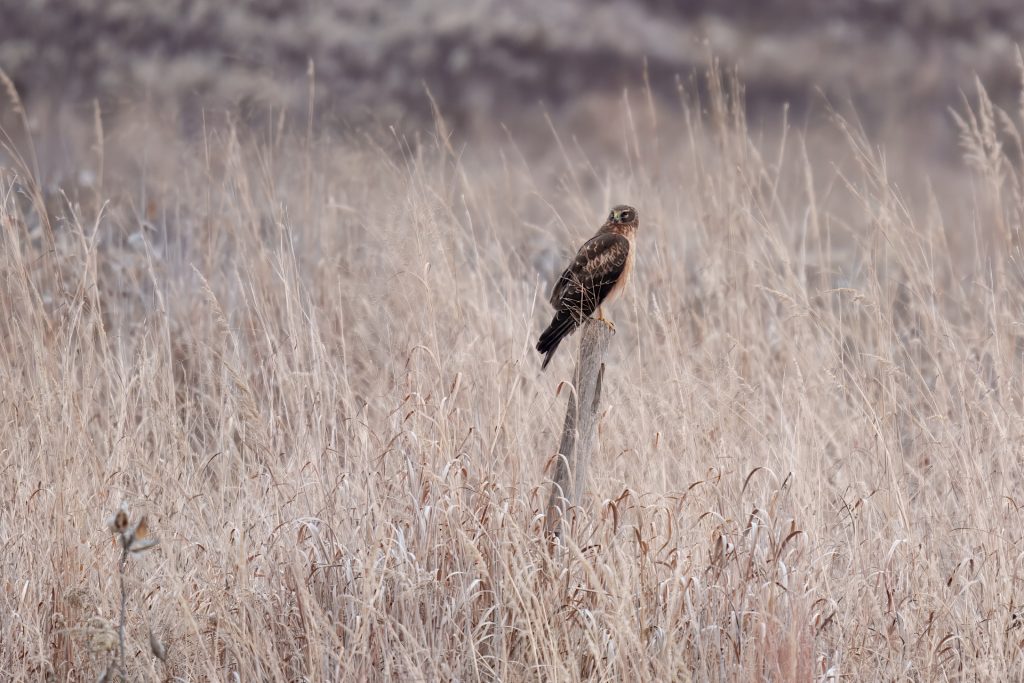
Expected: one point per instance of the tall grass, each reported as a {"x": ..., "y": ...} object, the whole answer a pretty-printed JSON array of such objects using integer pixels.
[{"x": 311, "y": 366}]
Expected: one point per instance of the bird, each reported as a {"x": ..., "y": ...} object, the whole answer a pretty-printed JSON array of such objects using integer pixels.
[{"x": 595, "y": 278}]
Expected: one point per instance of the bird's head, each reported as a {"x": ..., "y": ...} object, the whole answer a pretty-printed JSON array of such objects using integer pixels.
[{"x": 623, "y": 215}]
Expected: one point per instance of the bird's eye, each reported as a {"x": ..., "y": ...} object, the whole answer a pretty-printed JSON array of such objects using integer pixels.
[{"x": 627, "y": 216}]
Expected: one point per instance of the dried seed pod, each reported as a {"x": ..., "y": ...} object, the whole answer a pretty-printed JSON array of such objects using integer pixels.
[
  {"x": 140, "y": 539},
  {"x": 118, "y": 522},
  {"x": 157, "y": 647}
]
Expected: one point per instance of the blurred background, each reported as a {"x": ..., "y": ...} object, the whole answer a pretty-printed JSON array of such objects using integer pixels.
[{"x": 494, "y": 62}]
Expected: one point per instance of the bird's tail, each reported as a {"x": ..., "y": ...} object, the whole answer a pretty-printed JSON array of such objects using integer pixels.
[{"x": 562, "y": 325}]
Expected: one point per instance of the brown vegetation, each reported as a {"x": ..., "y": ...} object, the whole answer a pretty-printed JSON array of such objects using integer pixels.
[{"x": 309, "y": 362}]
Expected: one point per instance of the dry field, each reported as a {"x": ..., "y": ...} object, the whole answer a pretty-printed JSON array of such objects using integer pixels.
[{"x": 308, "y": 360}]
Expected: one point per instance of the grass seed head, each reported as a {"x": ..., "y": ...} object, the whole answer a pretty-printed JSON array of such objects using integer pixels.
[{"x": 157, "y": 647}]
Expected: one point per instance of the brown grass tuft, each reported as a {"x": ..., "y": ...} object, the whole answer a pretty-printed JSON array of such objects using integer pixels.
[{"x": 810, "y": 455}]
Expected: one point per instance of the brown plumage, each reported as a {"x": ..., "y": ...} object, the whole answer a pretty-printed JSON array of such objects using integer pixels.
[{"x": 594, "y": 278}]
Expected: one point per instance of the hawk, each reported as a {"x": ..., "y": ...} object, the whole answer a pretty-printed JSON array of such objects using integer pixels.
[{"x": 594, "y": 279}]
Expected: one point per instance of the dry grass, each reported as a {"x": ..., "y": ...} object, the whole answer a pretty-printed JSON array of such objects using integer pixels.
[{"x": 311, "y": 365}]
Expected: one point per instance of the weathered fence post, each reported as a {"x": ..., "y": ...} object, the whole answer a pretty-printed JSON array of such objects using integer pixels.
[{"x": 580, "y": 425}]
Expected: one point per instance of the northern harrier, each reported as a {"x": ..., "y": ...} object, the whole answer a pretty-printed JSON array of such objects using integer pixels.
[{"x": 594, "y": 279}]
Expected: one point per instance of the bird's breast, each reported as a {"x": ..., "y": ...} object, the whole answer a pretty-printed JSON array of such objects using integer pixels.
[{"x": 627, "y": 270}]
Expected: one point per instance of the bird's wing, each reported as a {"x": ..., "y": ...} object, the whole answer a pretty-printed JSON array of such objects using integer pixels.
[{"x": 592, "y": 274}]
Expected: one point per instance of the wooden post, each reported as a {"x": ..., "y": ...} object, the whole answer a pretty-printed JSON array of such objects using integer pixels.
[{"x": 580, "y": 424}]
